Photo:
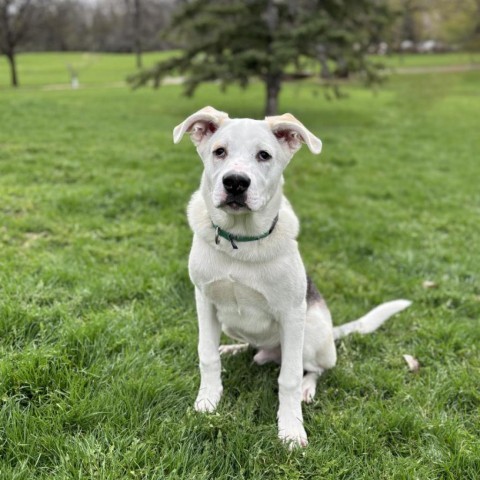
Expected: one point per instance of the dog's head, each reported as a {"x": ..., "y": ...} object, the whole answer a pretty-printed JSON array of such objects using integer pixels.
[{"x": 243, "y": 158}]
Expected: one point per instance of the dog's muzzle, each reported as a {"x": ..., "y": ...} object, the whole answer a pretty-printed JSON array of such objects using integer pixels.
[{"x": 236, "y": 186}]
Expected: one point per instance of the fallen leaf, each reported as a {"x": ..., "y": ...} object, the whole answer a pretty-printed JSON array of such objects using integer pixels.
[{"x": 412, "y": 362}]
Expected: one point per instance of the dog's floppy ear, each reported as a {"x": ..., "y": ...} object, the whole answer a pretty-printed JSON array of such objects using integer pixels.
[
  {"x": 291, "y": 133},
  {"x": 200, "y": 125}
]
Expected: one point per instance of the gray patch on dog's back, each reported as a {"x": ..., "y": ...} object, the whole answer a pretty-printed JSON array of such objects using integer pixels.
[{"x": 313, "y": 295}]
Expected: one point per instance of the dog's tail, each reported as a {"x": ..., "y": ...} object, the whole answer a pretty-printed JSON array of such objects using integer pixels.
[{"x": 372, "y": 320}]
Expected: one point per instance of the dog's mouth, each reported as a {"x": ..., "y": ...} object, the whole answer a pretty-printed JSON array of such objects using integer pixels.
[{"x": 236, "y": 203}]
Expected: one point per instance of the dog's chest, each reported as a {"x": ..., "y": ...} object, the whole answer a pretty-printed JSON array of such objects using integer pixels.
[
  {"x": 243, "y": 312},
  {"x": 231, "y": 294}
]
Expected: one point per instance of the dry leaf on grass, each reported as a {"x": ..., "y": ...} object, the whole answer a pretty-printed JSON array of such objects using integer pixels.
[{"x": 412, "y": 362}]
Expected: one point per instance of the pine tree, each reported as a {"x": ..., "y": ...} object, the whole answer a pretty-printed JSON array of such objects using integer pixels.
[{"x": 233, "y": 41}]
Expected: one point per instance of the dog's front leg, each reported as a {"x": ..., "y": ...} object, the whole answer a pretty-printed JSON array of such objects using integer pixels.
[
  {"x": 211, "y": 388},
  {"x": 290, "y": 419}
]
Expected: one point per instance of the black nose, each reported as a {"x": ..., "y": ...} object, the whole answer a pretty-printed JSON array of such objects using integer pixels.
[{"x": 235, "y": 183}]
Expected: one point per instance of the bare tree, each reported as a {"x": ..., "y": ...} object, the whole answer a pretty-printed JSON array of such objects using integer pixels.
[
  {"x": 134, "y": 19},
  {"x": 137, "y": 28},
  {"x": 15, "y": 20},
  {"x": 65, "y": 25},
  {"x": 87, "y": 25},
  {"x": 476, "y": 31},
  {"x": 144, "y": 20}
]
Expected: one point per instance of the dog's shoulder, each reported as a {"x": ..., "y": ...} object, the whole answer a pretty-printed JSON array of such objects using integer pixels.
[
  {"x": 289, "y": 226},
  {"x": 197, "y": 214}
]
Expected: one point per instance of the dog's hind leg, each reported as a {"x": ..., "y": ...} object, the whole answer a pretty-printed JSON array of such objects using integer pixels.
[
  {"x": 232, "y": 349},
  {"x": 319, "y": 353}
]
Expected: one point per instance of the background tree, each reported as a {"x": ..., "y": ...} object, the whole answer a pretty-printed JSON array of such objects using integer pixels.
[
  {"x": 474, "y": 41},
  {"x": 410, "y": 27},
  {"x": 136, "y": 15},
  {"x": 15, "y": 21},
  {"x": 101, "y": 26},
  {"x": 129, "y": 25},
  {"x": 453, "y": 23},
  {"x": 65, "y": 27},
  {"x": 234, "y": 41}
]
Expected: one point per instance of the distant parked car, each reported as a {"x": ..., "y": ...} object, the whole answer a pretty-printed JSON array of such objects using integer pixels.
[
  {"x": 407, "y": 46},
  {"x": 426, "y": 46},
  {"x": 431, "y": 46}
]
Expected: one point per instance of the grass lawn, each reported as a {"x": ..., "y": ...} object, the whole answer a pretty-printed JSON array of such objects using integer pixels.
[
  {"x": 429, "y": 59},
  {"x": 93, "y": 69},
  {"x": 98, "y": 362},
  {"x": 50, "y": 70}
]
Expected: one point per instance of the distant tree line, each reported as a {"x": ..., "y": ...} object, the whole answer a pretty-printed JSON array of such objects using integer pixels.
[
  {"x": 82, "y": 25},
  {"x": 454, "y": 23},
  {"x": 131, "y": 25},
  {"x": 104, "y": 25}
]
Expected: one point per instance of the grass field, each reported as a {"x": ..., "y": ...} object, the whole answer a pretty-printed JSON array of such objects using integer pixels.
[
  {"x": 98, "y": 362},
  {"x": 51, "y": 70},
  {"x": 93, "y": 69},
  {"x": 429, "y": 60}
]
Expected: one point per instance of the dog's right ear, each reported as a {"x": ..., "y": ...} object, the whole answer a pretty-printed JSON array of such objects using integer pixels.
[
  {"x": 200, "y": 125},
  {"x": 291, "y": 133}
]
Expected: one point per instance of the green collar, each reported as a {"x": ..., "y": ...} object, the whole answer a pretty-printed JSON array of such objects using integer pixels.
[{"x": 219, "y": 232}]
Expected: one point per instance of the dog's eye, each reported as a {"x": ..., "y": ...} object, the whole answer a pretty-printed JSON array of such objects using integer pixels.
[
  {"x": 263, "y": 156},
  {"x": 220, "y": 152}
]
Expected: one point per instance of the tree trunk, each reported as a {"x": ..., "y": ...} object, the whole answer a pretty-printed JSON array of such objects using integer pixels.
[
  {"x": 137, "y": 33},
  {"x": 273, "y": 79},
  {"x": 138, "y": 54},
  {"x": 273, "y": 83},
  {"x": 13, "y": 68}
]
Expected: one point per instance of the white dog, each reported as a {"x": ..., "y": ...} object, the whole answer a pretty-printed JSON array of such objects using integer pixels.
[{"x": 249, "y": 278}]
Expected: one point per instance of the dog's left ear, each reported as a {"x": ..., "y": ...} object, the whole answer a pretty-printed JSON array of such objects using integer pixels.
[
  {"x": 200, "y": 125},
  {"x": 291, "y": 133}
]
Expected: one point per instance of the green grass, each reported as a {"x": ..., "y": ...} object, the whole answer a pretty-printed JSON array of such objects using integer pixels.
[
  {"x": 98, "y": 362},
  {"x": 50, "y": 70},
  {"x": 94, "y": 69},
  {"x": 429, "y": 59}
]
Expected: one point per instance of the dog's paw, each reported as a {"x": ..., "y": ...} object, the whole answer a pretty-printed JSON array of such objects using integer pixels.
[
  {"x": 309, "y": 387},
  {"x": 207, "y": 400},
  {"x": 292, "y": 433},
  {"x": 232, "y": 349},
  {"x": 308, "y": 393}
]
